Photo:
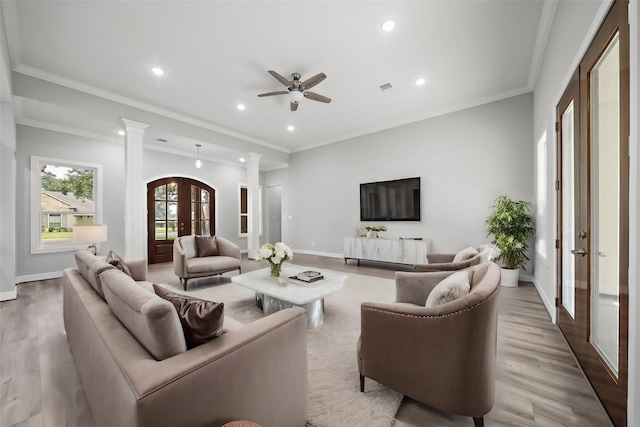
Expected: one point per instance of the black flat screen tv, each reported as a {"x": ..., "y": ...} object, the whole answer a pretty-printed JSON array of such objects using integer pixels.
[{"x": 397, "y": 200}]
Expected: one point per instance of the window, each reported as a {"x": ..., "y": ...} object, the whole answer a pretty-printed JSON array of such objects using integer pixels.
[
  {"x": 64, "y": 194},
  {"x": 244, "y": 210}
]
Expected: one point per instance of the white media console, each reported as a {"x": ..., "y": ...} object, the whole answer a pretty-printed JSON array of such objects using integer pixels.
[{"x": 398, "y": 251}]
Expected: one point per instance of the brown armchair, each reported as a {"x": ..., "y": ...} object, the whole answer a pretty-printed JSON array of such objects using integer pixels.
[
  {"x": 442, "y": 356},
  {"x": 445, "y": 262}
]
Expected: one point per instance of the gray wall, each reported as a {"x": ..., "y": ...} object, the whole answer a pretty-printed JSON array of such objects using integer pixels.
[
  {"x": 465, "y": 160},
  {"x": 38, "y": 142}
]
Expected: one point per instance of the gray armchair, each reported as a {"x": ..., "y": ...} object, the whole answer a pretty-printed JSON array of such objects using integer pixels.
[
  {"x": 442, "y": 356},
  {"x": 187, "y": 263},
  {"x": 445, "y": 262}
]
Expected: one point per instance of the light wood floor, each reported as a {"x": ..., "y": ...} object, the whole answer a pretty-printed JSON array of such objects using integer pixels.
[{"x": 538, "y": 381}]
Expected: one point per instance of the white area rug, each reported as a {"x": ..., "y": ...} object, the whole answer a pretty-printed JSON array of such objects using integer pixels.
[{"x": 334, "y": 389}]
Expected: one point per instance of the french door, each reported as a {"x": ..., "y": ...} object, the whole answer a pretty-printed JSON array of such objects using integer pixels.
[
  {"x": 593, "y": 212},
  {"x": 177, "y": 207}
]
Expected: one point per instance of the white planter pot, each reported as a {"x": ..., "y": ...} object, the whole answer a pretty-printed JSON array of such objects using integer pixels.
[
  {"x": 372, "y": 234},
  {"x": 509, "y": 277}
]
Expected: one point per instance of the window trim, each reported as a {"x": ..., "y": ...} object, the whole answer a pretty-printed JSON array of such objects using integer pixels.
[
  {"x": 35, "y": 225},
  {"x": 240, "y": 214}
]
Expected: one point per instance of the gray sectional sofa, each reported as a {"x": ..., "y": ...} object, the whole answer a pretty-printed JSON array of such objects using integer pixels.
[{"x": 254, "y": 372}]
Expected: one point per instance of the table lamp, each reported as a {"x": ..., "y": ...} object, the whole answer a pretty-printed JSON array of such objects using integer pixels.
[{"x": 91, "y": 234}]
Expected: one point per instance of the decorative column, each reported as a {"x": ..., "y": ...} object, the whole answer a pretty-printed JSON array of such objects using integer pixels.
[
  {"x": 253, "y": 194},
  {"x": 135, "y": 209}
]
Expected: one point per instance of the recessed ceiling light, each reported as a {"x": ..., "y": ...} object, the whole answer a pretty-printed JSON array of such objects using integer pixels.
[
  {"x": 420, "y": 81},
  {"x": 242, "y": 159},
  {"x": 290, "y": 128},
  {"x": 241, "y": 107},
  {"x": 388, "y": 25},
  {"x": 157, "y": 71},
  {"x": 121, "y": 132}
]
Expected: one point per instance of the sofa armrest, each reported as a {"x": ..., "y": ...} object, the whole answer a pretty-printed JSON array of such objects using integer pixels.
[
  {"x": 414, "y": 288},
  {"x": 228, "y": 248},
  {"x": 257, "y": 372},
  {"x": 179, "y": 259},
  {"x": 440, "y": 258},
  {"x": 138, "y": 268}
]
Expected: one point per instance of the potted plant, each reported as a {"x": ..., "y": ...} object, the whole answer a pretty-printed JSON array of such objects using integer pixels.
[
  {"x": 512, "y": 226},
  {"x": 372, "y": 230}
]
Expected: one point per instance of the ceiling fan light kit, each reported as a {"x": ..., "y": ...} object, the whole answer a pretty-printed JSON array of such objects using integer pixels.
[{"x": 297, "y": 89}]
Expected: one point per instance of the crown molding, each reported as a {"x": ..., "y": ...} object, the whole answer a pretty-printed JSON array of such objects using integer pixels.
[
  {"x": 72, "y": 84},
  {"x": 68, "y": 130},
  {"x": 430, "y": 115},
  {"x": 544, "y": 28}
]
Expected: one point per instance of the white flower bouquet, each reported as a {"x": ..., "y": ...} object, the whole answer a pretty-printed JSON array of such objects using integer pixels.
[{"x": 275, "y": 254}]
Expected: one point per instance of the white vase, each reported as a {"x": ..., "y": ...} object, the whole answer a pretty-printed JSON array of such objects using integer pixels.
[
  {"x": 509, "y": 277},
  {"x": 372, "y": 234}
]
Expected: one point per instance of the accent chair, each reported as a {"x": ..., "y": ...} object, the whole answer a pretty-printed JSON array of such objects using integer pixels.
[{"x": 443, "y": 356}]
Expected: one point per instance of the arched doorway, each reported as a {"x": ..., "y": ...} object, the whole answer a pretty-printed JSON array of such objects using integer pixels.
[{"x": 177, "y": 207}]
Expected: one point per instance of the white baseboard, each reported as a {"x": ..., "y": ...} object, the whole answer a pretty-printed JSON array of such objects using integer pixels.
[
  {"x": 549, "y": 305},
  {"x": 39, "y": 276},
  {"x": 9, "y": 295},
  {"x": 327, "y": 254}
]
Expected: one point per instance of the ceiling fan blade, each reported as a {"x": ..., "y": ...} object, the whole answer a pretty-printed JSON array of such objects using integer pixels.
[
  {"x": 317, "y": 97},
  {"x": 294, "y": 106},
  {"x": 280, "y": 92},
  {"x": 280, "y": 78},
  {"x": 311, "y": 82}
]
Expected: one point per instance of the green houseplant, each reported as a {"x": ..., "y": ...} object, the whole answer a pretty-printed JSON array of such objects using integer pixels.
[{"x": 512, "y": 227}]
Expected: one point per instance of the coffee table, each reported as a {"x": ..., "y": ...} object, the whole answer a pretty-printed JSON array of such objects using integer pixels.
[{"x": 309, "y": 296}]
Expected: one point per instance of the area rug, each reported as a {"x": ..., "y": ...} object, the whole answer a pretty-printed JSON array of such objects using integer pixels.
[{"x": 335, "y": 399}]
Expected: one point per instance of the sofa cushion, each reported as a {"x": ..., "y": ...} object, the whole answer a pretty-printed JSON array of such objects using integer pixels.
[
  {"x": 90, "y": 267},
  {"x": 115, "y": 260},
  {"x": 152, "y": 320},
  {"x": 212, "y": 264},
  {"x": 188, "y": 244},
  {"x": 465, "y": 254},
  {"x": 201, "y": 320},
  {"x": 207, "y": 246},
  {"x": 453, "y": 287}
]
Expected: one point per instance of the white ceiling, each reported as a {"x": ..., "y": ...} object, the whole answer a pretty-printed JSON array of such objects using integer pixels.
[{"x": 216, "y": 54}]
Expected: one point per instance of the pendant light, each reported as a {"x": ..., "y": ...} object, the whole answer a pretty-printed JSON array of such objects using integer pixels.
[{"x": 198, "y": 162}]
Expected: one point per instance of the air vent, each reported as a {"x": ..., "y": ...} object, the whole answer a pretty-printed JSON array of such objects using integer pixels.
[
  {"x": 386, "y": 86},
  {"x": 161, "y": 140}
]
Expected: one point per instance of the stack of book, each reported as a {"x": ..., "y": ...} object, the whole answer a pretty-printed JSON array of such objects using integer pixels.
[{"x": 308, "y": 276}]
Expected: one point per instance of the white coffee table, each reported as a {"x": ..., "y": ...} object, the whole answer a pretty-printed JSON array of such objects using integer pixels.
[{"x": 272, "y": 297}]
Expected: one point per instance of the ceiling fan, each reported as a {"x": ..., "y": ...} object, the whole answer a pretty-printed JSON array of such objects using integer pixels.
[{"x": 297, "y": 89}]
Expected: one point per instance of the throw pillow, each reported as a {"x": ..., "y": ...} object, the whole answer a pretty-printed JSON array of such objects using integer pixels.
[
  {"x": 465, "y": 254},
  {"x": 207, "y": 246},
  {"x": 201, "y": 320},
  {"x": 117, "y": 262},
  {"x": 453, "y": 287}
]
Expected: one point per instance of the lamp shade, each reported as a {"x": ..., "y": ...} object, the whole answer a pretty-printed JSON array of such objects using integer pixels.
[{"x": 89, "y": 233}]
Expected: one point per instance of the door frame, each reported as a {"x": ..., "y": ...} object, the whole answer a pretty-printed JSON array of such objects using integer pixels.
[{"x": 181, "y": 211}]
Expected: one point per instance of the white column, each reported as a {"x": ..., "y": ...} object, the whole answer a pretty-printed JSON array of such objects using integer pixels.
[
  {"x": 253, "y": 182},
  {"x": 135, "y": 216},
  {"x": 8, "y": 206}
]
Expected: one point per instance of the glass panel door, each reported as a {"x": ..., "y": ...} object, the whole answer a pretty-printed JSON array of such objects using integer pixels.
[
  {"x": 568, "y": 209},
  {"x": 604, "y": 90}
]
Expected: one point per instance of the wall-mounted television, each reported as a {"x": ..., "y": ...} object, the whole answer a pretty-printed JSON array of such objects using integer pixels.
[{"x": 397, "y": 200}]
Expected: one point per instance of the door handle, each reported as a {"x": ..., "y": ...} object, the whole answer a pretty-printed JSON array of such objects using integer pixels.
[
  {"x": 582, "y": 234},
  {"x": 580, "y": 252}
]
